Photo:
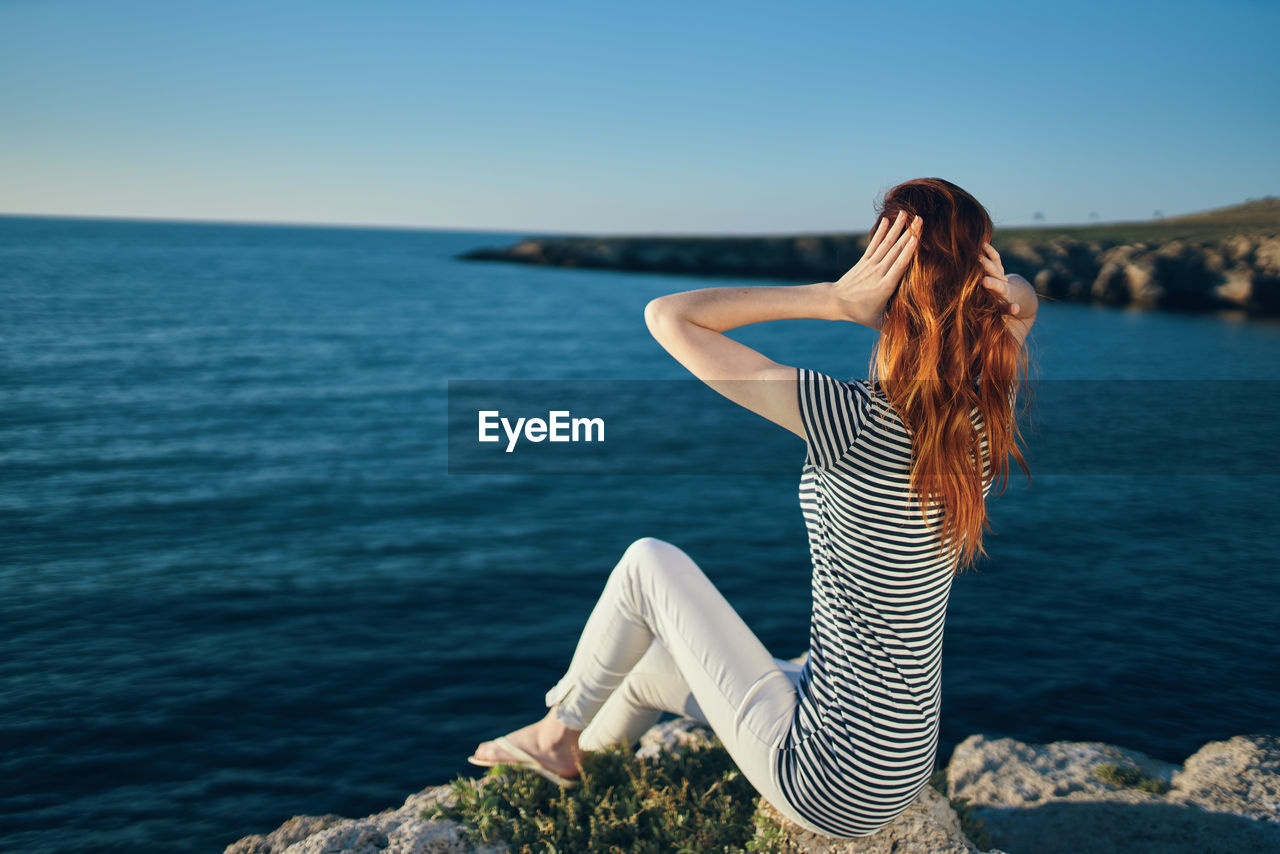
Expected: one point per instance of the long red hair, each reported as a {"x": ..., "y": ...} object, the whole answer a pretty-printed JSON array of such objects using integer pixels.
[{"x": 943, "y": 352}]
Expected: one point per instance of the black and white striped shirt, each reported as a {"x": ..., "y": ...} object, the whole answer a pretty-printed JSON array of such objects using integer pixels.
[{"x": 862, "y": 742}]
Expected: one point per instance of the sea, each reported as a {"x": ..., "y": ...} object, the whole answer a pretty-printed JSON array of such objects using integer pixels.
[{"x": 247, "y": 571}]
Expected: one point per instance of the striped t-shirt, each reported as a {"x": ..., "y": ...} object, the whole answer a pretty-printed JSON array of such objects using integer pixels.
[{"x": 862, "y": 742}]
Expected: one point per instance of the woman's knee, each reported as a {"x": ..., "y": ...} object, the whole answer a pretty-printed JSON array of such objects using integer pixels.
[
  {"x": 650, "y": 555},
  {"x": 647, "y": 548},
  {"x": 643, "y": 552},
  {"x": 650, "y": 564}
]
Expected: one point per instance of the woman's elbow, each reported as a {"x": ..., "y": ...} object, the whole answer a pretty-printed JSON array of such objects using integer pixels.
[{"x": 654, "y": 312}]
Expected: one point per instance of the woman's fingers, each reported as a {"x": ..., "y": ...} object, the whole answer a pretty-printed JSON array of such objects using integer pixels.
[
  {"x": 989, "y": 256},
  {"x": 910, "y": 236},
  {"x": 876, "y": 237},
  {"x": 904, "y": 258},
  {"x": 895, "y": 231},
  {"x": 1001, "y": 287},
  {"x": 998, "y": 281},
  {"x": 906, "y": 243}
]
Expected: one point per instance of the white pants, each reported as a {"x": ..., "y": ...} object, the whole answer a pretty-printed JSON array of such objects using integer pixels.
[{"x": 662, "y": 638}]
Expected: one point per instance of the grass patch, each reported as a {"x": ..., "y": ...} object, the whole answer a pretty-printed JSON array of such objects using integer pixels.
[
  {"x": 679, "y": 802},
  {"x": 1256, "y": 216},
  {"x": 1128, "y": 775}
]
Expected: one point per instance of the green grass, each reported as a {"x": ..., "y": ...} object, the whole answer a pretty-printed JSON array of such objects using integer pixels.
[
  {"x": 1256, "y": 216},
  {"x": 1127, "y": 775},
  {"x": 680, "y": 802},
  {"x": 688, "y": 801}
]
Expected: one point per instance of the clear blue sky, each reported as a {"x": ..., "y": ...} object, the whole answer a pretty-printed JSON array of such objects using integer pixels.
[{"x": 656, "y": 116}]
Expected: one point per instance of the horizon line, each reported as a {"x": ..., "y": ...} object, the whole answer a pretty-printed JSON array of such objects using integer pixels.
[{"x": 539, "y": 232}]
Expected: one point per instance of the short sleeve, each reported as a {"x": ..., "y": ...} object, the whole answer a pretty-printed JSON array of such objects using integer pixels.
[{"x": 833, "y": 413}]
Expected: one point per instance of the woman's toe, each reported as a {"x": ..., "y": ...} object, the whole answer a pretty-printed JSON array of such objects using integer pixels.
[{"x": 493, "y": 752}]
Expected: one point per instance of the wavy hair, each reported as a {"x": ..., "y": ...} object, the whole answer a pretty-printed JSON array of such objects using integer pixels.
[{"x": 948, "y": 366}]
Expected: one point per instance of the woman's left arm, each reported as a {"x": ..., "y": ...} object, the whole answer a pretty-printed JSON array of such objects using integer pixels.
[{"x": 690, "y": 325}]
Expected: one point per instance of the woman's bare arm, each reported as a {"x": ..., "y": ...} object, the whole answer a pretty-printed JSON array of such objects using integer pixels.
[{"x": 690, "y": 325}]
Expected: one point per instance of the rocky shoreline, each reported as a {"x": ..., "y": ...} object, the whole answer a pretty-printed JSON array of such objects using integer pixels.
[
  {"x": 1016, "y": 798},
  {"x": 1239, "y": 272}
]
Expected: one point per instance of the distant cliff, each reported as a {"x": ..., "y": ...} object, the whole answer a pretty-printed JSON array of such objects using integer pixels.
[{"x": 1222, "y": 259}]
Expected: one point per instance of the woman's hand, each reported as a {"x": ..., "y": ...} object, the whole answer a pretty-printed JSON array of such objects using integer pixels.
[
  {"x": 1020, "y": 297},
  {"x": 1017, "y": 291},
  {"x": 863, "y": 292}
]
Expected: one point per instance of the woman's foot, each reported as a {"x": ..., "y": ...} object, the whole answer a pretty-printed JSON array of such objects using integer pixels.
[{"x": 550, "y": 742}]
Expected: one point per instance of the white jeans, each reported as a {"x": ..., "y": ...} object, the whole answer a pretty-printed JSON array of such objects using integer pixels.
[{"x": 662, "y": 638}]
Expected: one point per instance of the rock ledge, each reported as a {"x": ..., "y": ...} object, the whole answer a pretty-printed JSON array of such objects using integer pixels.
[{"x": 1033, "y": 798}]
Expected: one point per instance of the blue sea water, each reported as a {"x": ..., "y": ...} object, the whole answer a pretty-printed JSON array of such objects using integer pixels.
[{"x": 239, "y": 583}]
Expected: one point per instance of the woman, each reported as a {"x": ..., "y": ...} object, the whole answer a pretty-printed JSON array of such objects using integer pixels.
[{"x": 843, "y": 744}]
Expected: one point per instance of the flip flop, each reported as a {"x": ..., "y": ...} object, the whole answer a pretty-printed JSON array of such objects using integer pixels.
[{"x": 523, "y": 760}]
